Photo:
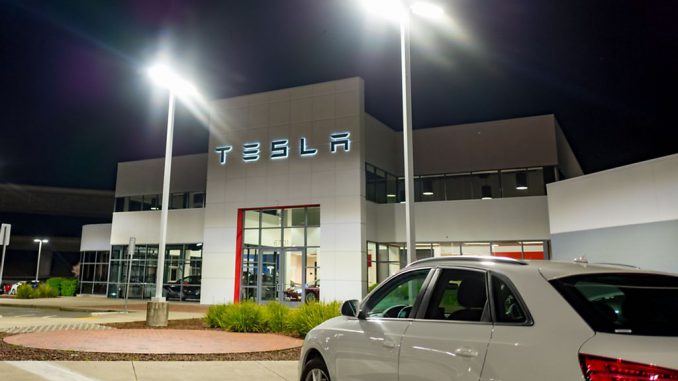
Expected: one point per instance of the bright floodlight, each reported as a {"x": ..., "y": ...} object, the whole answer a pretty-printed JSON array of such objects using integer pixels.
[
  {"x": 385, "y": 8},
  {"x": 427, "y": 9},
  {"x": 166, "y": 77},
  {"x": 40, "y": 240}
]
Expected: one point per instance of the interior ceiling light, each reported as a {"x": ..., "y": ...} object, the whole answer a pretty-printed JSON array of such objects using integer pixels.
[
  {"x": 427, "y": 184},
  {"x": 521, "y": 181},
  {"x": 486, "y": 192}
]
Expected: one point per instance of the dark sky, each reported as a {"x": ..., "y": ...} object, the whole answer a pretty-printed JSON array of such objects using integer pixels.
[{"x": 74, "y": 99}]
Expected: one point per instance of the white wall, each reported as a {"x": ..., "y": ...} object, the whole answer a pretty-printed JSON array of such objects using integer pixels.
[
  {"x": 385, "y": 146},
  {"x": 334, "y": 181},
  {"x": 640, "y": 193},
  {"x": 96, "y": 237},
  {"x": 517, "y": 218},
  {"x": 142, "y": 177},
  {"x": 183, "y": 226}
]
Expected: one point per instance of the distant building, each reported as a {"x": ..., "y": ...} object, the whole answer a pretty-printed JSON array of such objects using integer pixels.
[
  {"x": 298, "y": 197},
  {"x": 56, "y": 214}
]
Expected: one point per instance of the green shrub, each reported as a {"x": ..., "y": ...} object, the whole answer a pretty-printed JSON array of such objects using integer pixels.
[
  {"x": 25, "y": 291},
  {"x": 55, "y": 283},
  {"x": 372, "y": 287},
  {"x": 311, "y": 315},
  {"x": 215, "y": 315},
  {"x": 276, "y": 317},
  {"x": 69, "y": 286},
  {"x": 243, "y": 317},
  {"x": 45, "y": 291}
]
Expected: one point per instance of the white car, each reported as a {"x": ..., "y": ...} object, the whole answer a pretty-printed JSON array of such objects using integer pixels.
[{"x": 499, "y": 319}]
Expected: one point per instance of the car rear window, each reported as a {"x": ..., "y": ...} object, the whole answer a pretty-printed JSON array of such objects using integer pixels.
[{"x": 632, "y": 304}]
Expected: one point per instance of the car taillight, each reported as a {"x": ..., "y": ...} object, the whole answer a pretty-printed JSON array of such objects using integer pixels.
[{"x": 597, "y": 368}]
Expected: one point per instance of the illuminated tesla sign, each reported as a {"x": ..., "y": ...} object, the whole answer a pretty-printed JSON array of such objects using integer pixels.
[{"x": 280, "y": 148}]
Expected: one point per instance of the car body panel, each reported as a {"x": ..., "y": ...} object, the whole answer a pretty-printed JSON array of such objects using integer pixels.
[
  {"x": 367, "y": 349},
  {"x": 547, "y": 347},
  {"x": 443, "y": 350}
]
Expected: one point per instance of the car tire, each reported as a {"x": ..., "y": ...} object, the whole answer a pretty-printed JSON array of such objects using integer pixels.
[
  {"x": 315, "y": 370},
  {"x": 310, "y": 297}
]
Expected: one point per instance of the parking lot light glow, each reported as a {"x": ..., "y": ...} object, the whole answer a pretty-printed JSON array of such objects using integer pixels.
[
  {"x": 426, "y": 9},
  {"x": 389, "y": 9},
  {"x": 162, "y": 75}
]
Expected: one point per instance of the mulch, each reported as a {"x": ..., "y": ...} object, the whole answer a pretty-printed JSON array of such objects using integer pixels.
[{"x": 9, "y": 352}]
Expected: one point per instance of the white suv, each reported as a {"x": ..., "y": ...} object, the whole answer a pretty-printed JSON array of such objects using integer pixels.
[{"x": 498, "y": 319}]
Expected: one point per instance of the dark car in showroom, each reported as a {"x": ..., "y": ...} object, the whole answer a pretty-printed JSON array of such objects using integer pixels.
[{"x": 187, "y": 288}]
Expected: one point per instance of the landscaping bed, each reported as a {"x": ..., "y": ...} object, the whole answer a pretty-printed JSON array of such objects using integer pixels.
[{"x": 9, "y": 352}]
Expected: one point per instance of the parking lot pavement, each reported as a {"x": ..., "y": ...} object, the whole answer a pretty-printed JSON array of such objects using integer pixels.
[{"x": 148, "y": 370}]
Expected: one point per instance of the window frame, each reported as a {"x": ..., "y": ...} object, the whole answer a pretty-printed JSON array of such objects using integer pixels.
[
  {"x": 384, "y": 288},
  {"x": 487, "y": 318},
  {"x": 529, "y": 321}
]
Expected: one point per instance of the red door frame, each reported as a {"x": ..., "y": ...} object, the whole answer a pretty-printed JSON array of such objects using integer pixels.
[{"x": 239, "y": 242}]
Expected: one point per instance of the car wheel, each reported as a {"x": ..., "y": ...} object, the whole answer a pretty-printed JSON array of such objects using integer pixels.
[
  {"x": 310, "y": 297},
  {"x": 315, "y": 370}
]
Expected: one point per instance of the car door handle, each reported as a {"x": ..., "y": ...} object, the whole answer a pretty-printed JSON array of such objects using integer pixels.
[{"x": 466, "y": 352}]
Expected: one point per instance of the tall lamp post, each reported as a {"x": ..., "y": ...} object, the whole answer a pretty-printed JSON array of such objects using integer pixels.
[
  {"x": 39, "y": 241},
  {"x": 157, "y": 310},
  {"x": 402, "y": 12}
]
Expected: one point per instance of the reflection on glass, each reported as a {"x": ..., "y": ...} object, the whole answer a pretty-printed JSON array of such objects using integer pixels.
[{"x": 251, "y": 219}]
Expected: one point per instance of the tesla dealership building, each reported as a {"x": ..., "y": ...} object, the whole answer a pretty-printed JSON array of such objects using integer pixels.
[{"x": 299, "y": 197}]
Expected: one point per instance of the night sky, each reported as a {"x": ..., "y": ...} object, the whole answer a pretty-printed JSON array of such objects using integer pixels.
[{"x": 74, "y": 98}]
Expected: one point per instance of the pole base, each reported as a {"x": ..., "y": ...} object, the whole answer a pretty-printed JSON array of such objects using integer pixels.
[{"x": 157, "y": 314}]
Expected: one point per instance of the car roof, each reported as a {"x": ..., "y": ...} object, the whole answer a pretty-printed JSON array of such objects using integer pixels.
[{"x": 549, "y": 269}]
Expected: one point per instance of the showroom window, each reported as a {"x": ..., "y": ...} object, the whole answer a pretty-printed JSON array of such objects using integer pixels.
[
  {"x": 178, "y": 200},
  {"x": 279, "y": 254},
  {"x": 386, "y": 259},
  {"x": 383, "y": 187},
  {"x": 94, "y": 272},
  {"x": 183, "y": 269}
]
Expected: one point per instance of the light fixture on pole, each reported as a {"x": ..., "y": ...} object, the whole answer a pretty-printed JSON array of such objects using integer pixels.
[
  {"x": 400, "y": 12},
  {"x": 165, "y": 77},
  {"x": 37, "y": 267}
]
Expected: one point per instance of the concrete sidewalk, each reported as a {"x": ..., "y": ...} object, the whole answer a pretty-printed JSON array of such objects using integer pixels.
[{"x": 148, "y": 370}]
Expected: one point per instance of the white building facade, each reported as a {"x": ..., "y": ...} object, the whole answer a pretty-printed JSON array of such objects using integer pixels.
[{"x": 298, "y": 198}]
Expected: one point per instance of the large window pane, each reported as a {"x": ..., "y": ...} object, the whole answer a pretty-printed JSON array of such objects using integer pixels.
[
  {"x": 294, "y": 237},
  {"x": 476, "y": 248},
  {"x": 314, "y": 216},
  {"x": 507, "y": 249},
  {"x": 271, "y": 218},
  {"x": 271, "y": 237},
  {"x": 251, "y": 219},
  {"x": 295, "y": 217},
  {"x": 458, "y": 187}
]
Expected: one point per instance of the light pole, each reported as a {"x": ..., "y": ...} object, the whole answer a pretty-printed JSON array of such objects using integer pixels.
[
  {"x": 402, "y": 12},
  {"x": 165, "y": 77},
  {"x": 37, "y": 268}
]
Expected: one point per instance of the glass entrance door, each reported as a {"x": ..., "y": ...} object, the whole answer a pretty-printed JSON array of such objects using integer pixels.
[{"x": 269, "y": 270}]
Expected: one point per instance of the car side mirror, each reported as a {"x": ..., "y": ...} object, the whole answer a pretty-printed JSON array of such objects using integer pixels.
[{"x": 350, "y": 308}]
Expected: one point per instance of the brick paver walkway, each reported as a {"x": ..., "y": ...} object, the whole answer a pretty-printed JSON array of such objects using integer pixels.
[
  {"x": 54, "y": 327},
  {"x": 155, "y": 341}
]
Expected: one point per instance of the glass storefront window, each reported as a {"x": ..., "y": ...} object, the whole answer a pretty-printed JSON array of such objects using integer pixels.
[
  {"x": 507, "y": 249},
  {"x": 280, "y": 255},
  {"x": 271, "y": 218},
  {"x": 183, "y": 263},
  {"x": 147, "y": 202},
  {"x": 476, "y": 248}
]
